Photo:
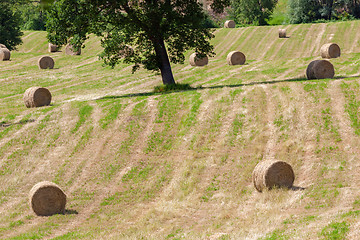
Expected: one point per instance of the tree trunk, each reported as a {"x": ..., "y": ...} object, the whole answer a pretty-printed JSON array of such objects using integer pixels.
[{"x": 163, "y": 62}]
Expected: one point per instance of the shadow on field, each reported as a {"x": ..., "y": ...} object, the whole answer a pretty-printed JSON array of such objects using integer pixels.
[
  {"x": 298, "y": 79},
  {"x": 70, "y": 212},
  {"x": 296, "y": 188},
  {"x": 21, "y": 122}
]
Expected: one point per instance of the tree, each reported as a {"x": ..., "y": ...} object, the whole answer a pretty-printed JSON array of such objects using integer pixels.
[
  {"x": 10, "y": 26},
  {"x": 252, "y": 11},
  {"x": 158, "y": 31},
  {"x": 304, "y": 11}
]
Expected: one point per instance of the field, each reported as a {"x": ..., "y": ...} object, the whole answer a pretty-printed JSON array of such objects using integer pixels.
[{"x": 136, "y": 164}]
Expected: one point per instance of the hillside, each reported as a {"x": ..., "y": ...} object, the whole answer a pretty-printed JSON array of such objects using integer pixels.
[{"x": 140, "y": 165}]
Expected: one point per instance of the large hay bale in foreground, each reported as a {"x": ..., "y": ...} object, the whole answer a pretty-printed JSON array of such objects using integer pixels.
[
  {"x": 236, "y": 58},
  {"x": 2, "y": 46},
  {"x": 330, "y": 50},
  {"x": 52, "y": 47},
  {"x": 282, "y": 33},
  {"x": 70, "y": 51},
  {"x": 229, "y": 24},
  {"x": 47, "y": 198},
  {"x": 37, "y": 97},
  {"x": 271, "y": 173},
  {"x": 320, "y": 69},
  {"x": 4, "y": 54},
  {"x": 46, "y": 62},
  {"x": 196, "y": 61}
]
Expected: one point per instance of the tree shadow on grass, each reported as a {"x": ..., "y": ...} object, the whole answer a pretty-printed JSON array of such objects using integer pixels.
[
  {"x": 21, "y": 122},
  {"x": 297, "y": 188},
  {"x": 152, "y": 93}
]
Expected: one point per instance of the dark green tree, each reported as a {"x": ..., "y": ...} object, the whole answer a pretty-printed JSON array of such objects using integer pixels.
[
  {"x": 10, "y": 33},
  {"x": 304, "y": 11},
  {"x": 255, "y": 12},
  {"x": 158, "y": 31}
]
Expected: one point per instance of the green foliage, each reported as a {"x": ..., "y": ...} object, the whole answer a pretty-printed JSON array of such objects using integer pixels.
[
  {"x": 32, "y": 17},
  {"x": 335, "y": 230},
  {"x": 9, "y": 27},
  {"x": 252, "y": 11},
  {"x": 144, "y": 25}
]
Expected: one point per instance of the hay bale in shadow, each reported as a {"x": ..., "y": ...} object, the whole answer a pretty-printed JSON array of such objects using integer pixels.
[
  {"x": 271, "y": 173},
  {"x": 196, "y": 61},
  {"x": 70, "y": 51},
  {"x": 47, "y": 198},
  {"x": 37, "y": 97}
]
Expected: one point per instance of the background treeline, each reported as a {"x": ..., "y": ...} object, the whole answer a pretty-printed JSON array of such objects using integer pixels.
[{"x": 30, "y": 15}]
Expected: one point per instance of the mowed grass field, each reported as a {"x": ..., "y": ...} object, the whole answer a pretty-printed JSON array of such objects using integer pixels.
[{"x": 142, "y": 165}]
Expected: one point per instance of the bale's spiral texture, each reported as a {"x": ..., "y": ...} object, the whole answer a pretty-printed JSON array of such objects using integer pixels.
[
  {"x": 330, "y": 50},
  {"x": 47, "y": 198},
  {"x": 282, "y": 33},
  {"x": 320, "y": 69},
  {"x": 2, "y": 46},
  {"x": 69, "y": 50},
  {"x": 195, "y": 61},
  {"x": 4, "y": 54},
  {"x": 52, "y": 47},
  {"x": 270, "y": 173},
  {"x": 46, "y": 62},
  {"x": 229, "y": 24},
  {"x": 37, "y": 97},
  {"x": 235, "y": 58}
]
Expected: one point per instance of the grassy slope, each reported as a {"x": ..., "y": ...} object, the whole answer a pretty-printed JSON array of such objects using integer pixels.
[{"x": 178, "y": 166}]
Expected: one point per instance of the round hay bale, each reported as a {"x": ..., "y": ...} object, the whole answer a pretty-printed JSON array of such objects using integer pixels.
[
  {"x": 52, "y": 47},
  {"x": 320, "y": 69},
  {"x": 236, "y": 58},
  {"x": 127, "y": 51},
  {"x": 4, "y": 54},
  {"x": 282, "y": 33},
  {"x": 47, "y": 198},
  {"x": 2, "y": 46},
  {"x": 69, "y": 50},
  {"x": 46, "y": 62},
  {"x": 229, "y": 24},
  {"x": 195, "y": 61},
  {"x": 271, "y": 173},
  {"x": 37, "y": 97},
  {"x": 330, "y": 50}
]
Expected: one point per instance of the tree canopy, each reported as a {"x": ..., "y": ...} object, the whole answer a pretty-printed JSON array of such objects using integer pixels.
[
  {"x": 148, "y": 33},
  {"x": 10, "y": 26},
  {"x": 252, "y": 11}
]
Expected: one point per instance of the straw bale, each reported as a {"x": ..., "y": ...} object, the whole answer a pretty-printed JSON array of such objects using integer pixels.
[
  {"x": 272, "y": 173},
  {"x": 320, "y": 69},
  {"x": 52, "y": 47},
  {"x": 330, "y": 50},
  {"x": 236, "y": 58},
  {"x": 4, "y": 54},
  {"x": 37, "y": 97},
  {"x": 69, "y": 50},
  {"x": 47, "y": 198},
  {"x": 282, "y": 33},
  {"x": 195, "y": 61},
  {"x": 2, "y": 46},
  {"x": 229, "y": 24},
  {"x": 46, "y": 62}
]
